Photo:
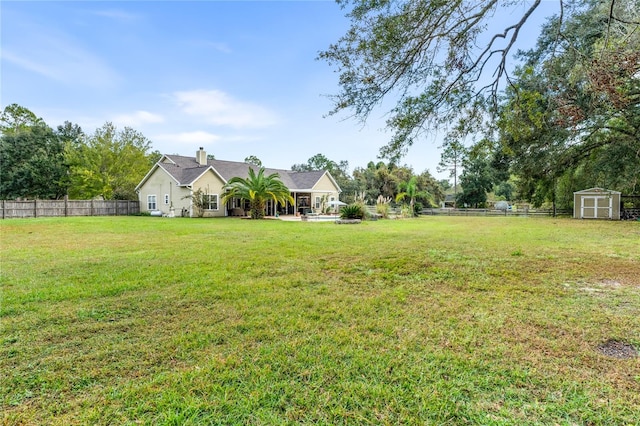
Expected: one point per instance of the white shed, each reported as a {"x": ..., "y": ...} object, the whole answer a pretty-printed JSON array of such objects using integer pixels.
[{"x": 596, "y": 203}]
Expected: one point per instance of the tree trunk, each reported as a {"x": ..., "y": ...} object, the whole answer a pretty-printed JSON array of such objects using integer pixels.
[{"x": 257, "y": 209}]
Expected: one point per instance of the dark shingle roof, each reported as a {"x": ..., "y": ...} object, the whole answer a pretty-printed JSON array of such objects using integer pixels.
[
  {"x": 185, "y": 170},
  {"x": 305, "y": 180}
]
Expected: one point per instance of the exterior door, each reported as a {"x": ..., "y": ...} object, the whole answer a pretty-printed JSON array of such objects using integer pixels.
[
  {"x": 596, "y": 207},
  {"x": 304, "y": 203}
]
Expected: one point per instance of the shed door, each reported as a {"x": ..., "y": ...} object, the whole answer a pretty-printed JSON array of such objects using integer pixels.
[{"x": 597, "y": 207}]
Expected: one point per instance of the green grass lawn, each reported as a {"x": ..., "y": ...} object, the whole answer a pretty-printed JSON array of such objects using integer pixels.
[{"x": 438, "y": 320}]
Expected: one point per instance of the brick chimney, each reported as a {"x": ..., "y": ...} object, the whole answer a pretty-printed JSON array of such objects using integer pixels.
[{"x": 201, "y": 157}]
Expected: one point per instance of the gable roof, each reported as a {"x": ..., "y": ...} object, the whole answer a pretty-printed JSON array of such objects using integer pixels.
[
  {"x": 597, "y": 191},
  {"x": 186, "y": 170}
]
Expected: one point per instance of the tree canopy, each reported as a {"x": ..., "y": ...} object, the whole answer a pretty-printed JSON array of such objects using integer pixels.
[
  {"x": 39, "y": 162},
  {"x": 15, "y": 118},
  {"x": 252, "y": 159},
  {"x": 568, "y": 110},
  {"x": 109, "y": 164},
  {"x": 32, "y": 161},
  {"x": 572, "y": 112},
  {"x": 396, "y": 182},
  {"x": 33, "y": 164},
  {"x": 436, "y": 59},
  {"x": 478, "y": 177}
]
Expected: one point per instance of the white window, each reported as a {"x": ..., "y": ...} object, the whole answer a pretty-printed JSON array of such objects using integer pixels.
[
  {"x": 166, "y": 199},
  {"x": 211, "y": 201},
  {"x": 317, "y": 202},
  {"x": 151, "y": 202}
]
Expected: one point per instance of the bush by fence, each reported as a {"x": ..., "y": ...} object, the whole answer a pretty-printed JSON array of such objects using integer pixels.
[{"x": 55, "y": 208}]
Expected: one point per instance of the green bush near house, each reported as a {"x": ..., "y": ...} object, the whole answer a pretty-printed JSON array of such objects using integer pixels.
[
  {"x": 352, "y": 211},
  {"x": 437, "y": 320}
]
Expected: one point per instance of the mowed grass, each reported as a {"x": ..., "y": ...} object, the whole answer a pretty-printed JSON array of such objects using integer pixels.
[{"x": 438, "y": 320}]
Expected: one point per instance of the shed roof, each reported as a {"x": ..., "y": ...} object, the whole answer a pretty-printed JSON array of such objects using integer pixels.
[{"x": 597, "y": 191}]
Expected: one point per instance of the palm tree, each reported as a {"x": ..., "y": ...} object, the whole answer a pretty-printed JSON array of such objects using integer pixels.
[
  {"x": 410, "y": 189},
  {"x": 257, "y": 189}
]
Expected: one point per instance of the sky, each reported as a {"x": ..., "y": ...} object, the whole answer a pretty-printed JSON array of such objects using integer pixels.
[{"x": 238, "y": 78}]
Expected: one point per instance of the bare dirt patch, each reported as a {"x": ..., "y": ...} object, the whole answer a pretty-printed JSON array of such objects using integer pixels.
[
  {"x": 603, "y": 286},
  {"x": 617, "y": 349}
]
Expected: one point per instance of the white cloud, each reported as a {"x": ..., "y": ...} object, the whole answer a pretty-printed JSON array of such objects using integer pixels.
[
  {"x": 198, "y": 137},
  {"x": 137, "y": 118},
  {"x": 219, "y": 46},
  {"x": 220, "y": 109},
  {"x": 115, "y": 14},
  {"x": 28, "y": 64},
  {"x": 58, "y": 57}
]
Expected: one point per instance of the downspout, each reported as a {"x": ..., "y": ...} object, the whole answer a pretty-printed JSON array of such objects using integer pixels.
[{"x": 172, "y": 210}]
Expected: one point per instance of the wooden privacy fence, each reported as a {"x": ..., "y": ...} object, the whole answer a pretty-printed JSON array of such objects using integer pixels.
[{"x": 56, "y": 208}]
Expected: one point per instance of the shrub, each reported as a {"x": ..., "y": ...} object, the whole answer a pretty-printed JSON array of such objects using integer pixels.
[
  {"x": 382, "y": 210},
  {"x": 382, "y": 206},
  {"x": 198, "y": 201},
  {"x": 352, "y": 211},
  {"x": 405, "y": 211}
]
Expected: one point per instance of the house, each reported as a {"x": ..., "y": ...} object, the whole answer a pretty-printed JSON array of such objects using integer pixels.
[
  {"x": 596, "y": 203},
  {"x": 167, "y": 187},
  {"x": 449, "y": 201}
]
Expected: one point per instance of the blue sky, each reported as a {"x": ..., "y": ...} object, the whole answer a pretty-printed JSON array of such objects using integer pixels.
[{"x": 238, "y": 78}]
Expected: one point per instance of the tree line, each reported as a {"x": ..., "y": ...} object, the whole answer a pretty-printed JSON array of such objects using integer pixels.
[
  {"x": 381, "y": 182},
  {"x": 40, "y": 162},
  {"x": 45, "y": 163},
  {"x": 566, "y": 118}
]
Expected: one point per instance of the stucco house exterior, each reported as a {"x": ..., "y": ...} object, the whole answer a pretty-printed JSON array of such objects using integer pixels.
[{"x": 166, "y": 189}]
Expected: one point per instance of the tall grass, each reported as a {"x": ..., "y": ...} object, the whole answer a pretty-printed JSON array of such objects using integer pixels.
[{"x": 438, "y": 320}]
